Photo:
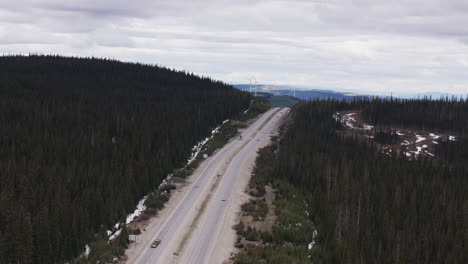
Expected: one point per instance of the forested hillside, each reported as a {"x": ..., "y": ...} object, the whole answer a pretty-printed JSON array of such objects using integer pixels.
[
  {"x": 369, "y": 207},
  {"x": 82, "y": 140}
]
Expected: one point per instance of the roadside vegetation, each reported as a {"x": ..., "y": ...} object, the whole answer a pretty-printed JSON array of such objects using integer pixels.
[
  {"x": 256, "y": 208},
  {"x": 284, "y": 240},
  {"x": 104, "y": 251}
]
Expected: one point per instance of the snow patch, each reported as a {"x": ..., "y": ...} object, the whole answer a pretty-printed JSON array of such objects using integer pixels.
[
  {"x": 452, "y": 138},
  {"x": 405, "y": 143},
  {"x": 350, "y": 121},
  {"x": 198, "y": 147},
  {"x": 116, "y": 234},
  {"x": 418, "y": 151},
  {"x": 419, "y": 138},
  {"x": 434, "y": 136},
  {"x": 399, "y": 133},
  {"x": 87, "y": 251},
  {"x": 140, "y": 208},
  {"x": 312, "y": 243}
]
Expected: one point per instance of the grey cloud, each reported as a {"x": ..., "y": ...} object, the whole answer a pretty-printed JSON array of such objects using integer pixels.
[
  {"x": 367, "y": 44},
  {"x": 429, "y": 18}
]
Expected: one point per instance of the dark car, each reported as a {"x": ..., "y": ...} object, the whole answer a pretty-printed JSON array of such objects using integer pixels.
[{"x": 156, "y": 243}]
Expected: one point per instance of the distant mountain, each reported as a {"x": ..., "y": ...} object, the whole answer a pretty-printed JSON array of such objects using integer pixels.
[
  {"x": 433, "y": 95},
  {"x": 279, "y": 100},
  {"x": 307, "y": 93},
  {"x": 301, "y": 93}
]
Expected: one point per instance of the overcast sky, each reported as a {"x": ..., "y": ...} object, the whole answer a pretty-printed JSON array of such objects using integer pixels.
[{"x": 372, "y": 45}]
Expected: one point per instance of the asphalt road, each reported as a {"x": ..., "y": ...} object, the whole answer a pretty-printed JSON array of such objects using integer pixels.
[{"x": 193, "y": 227}]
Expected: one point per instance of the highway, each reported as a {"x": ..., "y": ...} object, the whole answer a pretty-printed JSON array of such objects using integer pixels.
[{"x": 193, "y": 228}]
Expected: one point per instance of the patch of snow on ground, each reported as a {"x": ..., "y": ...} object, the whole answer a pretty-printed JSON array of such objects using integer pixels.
[
  {"x": 87, "y": 251},
  {"x": 350, "y": 121},
  {"x": 140, "y": 208},
  {"x": 349, "y": 124},
  {"x": 169, "y": 176},
  {"x": 435, "y": 142},
  {"x": 399, "y": 133},
  {"x": 198, "y": 147},
  {"x": 345, "y": 119},
  {"x": 452, "y": 138},
  {"x": 430, "y": 154},
  {"x": 336, "y": 117},
  {"x": 424, "y": 146},
  {"x": 434, "y": 136},
  {"x": 116, "y": 234},
  {"x": 419, "y": 138},
  {"x": 404, "y": 143},
  {"x": 311, "y": 244},
  {"x": 418, "y": 151}
]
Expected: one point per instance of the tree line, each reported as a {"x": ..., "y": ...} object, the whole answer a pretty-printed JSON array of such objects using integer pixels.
[
  {"x": 83, "y": 139},
  {"x": 443, "y": 114}
]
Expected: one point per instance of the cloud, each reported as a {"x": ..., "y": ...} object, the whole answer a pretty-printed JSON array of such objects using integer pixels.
[{"x": 375, "y": 46}]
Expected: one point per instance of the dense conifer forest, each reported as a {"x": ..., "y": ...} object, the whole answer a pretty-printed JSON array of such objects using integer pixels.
[
  {"x": 369, "y": 207},
  {"x": 82, "y": 140},
  {"x": 444, "y": 114}
]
